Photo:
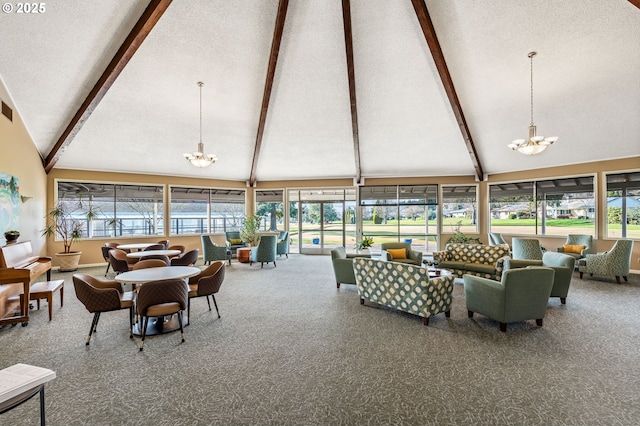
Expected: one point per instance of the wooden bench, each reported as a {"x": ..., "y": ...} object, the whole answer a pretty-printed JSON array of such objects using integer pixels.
[{"x": 45, "y": 290}]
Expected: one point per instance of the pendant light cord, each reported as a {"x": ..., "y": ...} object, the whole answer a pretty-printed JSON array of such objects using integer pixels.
[
  {"x": 531, "y": 55},
  {"x": 200, "y": 84}
]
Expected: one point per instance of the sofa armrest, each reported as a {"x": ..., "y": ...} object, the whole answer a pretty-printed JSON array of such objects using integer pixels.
[
  {"x": 500, "y": 265},
  {"x": 440, "y": 256}
]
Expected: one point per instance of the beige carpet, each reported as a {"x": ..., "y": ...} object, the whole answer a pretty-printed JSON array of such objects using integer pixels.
[{"x": 291, "y": 349}]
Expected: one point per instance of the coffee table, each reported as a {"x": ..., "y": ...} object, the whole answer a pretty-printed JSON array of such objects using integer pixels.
[{"x": 436, "y": 272}]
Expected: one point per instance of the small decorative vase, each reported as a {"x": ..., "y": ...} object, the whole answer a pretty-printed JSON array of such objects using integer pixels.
[
  {"x": 11, "y": 237},
  {"x": 364, "y": 251}
]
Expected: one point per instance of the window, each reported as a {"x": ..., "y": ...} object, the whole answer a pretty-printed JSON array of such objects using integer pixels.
[
  {"x": 121, "y": 210},
  {"x": 270, "y": 205},
  {"x": 400, "y": 213},
  {"x": 547, "y": 207},
  {"x": 206, "y": 210},
  {"x": 566, "y": 206},
  {"x": 512, "y": 208},
  {"x": 460, "y": 209},
  {"x": 623, "y": 205}
]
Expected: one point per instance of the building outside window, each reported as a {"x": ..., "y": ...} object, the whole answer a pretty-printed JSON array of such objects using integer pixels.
[
  {"x": 546, "y": 207},
  {"x": 623, "y": 205},
  {"x": 459, "y": 209}
]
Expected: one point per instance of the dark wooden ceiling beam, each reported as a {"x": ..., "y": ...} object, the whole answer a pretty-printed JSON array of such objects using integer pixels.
[
  {"x": 348, "y": 44},
  {"x": 441, "y": 65},
  {"x": 268, "y": 85},
  {"x": 131, "y": 44},
  {"x": 636, "y": 3}
]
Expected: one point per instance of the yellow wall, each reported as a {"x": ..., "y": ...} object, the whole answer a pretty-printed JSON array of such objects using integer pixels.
[{"x": 21, "y": 159}]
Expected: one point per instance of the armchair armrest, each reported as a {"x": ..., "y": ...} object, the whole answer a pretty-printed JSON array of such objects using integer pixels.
[
  {"x": 385, "y": 255},
  {"x": 416, "y": 255},
  {"x": 101, "y": 284},
  {"x": 516, "y": 263}
]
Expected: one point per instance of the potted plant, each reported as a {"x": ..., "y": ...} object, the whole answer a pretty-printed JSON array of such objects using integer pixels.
[
  {"x": 364, "y": 245},
  {"x": 459, "y": 237},
  {"x": 11, "y": 236},
  {"x": 249, "y": 232},
  {"x": 66, "y": 220}
]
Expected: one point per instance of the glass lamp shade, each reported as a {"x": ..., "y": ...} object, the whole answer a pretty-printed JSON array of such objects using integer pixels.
[
  {"x": 199, "y": 159},
  {"x": 534, "y": 145}
]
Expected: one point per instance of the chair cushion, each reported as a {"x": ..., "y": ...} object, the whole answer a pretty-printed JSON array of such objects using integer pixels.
[
  {"x": 163, "y": 309},
  {"x": 571, "y": 248},
  {"x": 235, "y": 241},
  {"x": 397, "y": 253}
]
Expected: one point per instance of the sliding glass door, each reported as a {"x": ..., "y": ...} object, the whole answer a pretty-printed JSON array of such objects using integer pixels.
[{"x": 325, "y": 219}]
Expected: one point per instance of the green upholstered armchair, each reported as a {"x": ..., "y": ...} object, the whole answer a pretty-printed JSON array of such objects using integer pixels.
[
  {"x": 343, "y": 265},
  {"x": 283, "y": 244},
  {"x": 615, "y": 262},
  {"x": 522, "y": 294},
  {"x": 234, "y": 241},
  {"x": 265, "y": 251},
  {"x": 412, "y": 257},
  {"x": 526, "y": 249},
  {"x": 562, "y": 264},
  {"x": 211, "y": 251},
  {"x": 577, "y": 240}
]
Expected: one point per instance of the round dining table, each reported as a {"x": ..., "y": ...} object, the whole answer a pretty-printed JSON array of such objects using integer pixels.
[
  {"x": 144, "y": 253},
  {"x": 135, "y": 246},
  {"x": 161, "y": 324}
]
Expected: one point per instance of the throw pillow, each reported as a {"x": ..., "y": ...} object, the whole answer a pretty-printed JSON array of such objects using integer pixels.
[
  {"x": 397, "y": 253},
  {"x": 570, "y": 248},
  {"x": 235, "y": 241}
]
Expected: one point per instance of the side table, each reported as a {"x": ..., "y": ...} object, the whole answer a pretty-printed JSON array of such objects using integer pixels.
[{"x": 243, "y": 253}]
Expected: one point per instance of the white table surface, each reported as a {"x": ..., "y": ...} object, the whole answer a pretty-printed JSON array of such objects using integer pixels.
[
  {"x": 155, "y": 274},
  {"x": 136, "y": 246},
  {"x": 139, "y": 254}
]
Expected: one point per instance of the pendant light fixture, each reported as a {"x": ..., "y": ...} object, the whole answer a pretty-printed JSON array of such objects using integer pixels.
[
  {"x": 535, "y": 144},
  {"x": 199, "y": 159}
]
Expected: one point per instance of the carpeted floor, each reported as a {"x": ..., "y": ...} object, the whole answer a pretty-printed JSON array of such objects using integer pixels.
[{"x": 291, "y": 349}]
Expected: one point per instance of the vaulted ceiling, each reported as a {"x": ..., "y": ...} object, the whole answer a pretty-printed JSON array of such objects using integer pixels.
[{"x": 324, "y": 89}]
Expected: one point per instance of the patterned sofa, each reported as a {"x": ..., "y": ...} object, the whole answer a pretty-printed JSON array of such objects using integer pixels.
[
  {"x": 473, "y": 259},
  {"x": 403, "y": 287}
]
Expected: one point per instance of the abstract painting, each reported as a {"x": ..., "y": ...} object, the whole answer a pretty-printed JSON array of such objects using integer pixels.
[{"x": 9, "y": 203}]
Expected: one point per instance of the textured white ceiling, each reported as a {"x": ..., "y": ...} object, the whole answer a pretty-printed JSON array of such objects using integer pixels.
[{"x": 586, "y": 85}]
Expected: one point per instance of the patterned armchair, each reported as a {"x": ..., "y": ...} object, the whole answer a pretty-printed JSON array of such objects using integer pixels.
[
  {"x": 526, "y": 249},
  {"x": 475, "y": 259},
  {"x": 265, "y": 251},
  {"x": 496, "y": 239},
  {"x": 403, "y": 287},
  {"x": 577, "y": 246},
  {"x": 283, "y": 244},
  {"x": 211, "y": 251},
  {"x": 615, "y": 262},
  {"x": 234, "y": 241}
]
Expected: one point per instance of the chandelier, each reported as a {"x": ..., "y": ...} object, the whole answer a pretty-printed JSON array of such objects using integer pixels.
[
  {"x": 535, "y": 144},
  {"x": 199, "y": 159}
]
